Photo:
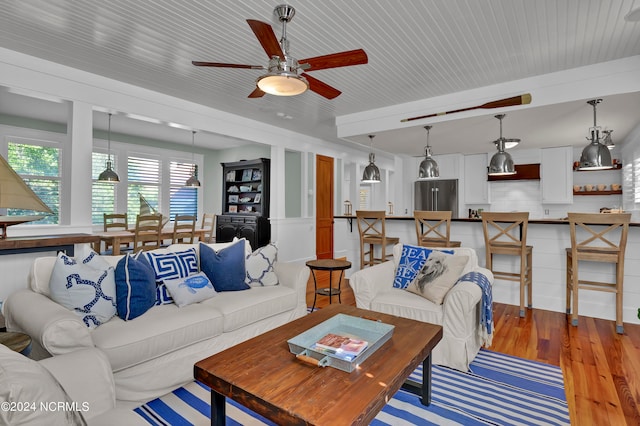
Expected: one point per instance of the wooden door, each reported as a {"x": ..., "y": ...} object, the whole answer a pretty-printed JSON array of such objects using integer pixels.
[{"x": 324, "y": 207}]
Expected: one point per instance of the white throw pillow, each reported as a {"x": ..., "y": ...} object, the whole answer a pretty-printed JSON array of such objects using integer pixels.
[
  {"x": 85, "y": 286},
  {"x": 192, "y": 289},
  {"x": 438, "y": 275},
  {"x": 259, "y": 266}
]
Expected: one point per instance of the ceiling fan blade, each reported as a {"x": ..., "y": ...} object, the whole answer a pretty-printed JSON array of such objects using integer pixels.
[
  {"x": 334, "y": 60},
  {"x": 500, "y": 103},
  {"x": 322, "y": 89},
  {"x": 257, "y": 93},
  {"x": 266, "y": 37},
  {"x": 222, "y": 65}
]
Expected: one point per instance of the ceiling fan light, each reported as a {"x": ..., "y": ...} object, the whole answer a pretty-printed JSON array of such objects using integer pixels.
[{"x": 282, "y": 84}]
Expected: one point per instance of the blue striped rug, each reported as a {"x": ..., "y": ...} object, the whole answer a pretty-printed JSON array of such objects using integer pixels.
[{"x": 499, "y": 390}]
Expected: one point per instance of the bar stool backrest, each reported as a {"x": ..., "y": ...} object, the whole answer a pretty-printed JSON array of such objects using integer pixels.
[
  {"x": 433, "y": 228},
  {"x": 612, "y": 239},
  {"x": 371, "y": 224},
  {"x": 502, "y": 229}
]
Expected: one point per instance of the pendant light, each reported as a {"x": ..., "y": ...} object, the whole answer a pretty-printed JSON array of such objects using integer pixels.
[
  {"x": 428, "y": 167},
  {"x": 501, "y": 163},
  {"x": 595, "y": 156},
  {"x": 109, "y": 175},
  {"x": 371, "y": 172},
  {"x": 193, "y": 181}
]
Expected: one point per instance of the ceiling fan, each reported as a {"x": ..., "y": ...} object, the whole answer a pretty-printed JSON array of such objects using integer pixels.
[{"x": 285, "y": 74}]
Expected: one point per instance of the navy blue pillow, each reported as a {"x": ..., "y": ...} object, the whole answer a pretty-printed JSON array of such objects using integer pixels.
[
  {"x": 135, "y": 286},
  {"x": 225, "y": 269}
]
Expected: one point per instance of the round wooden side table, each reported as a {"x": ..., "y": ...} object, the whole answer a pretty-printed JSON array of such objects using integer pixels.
[
  {"x": 327, "y": 265},
  {"x": 18, "y": 342}
]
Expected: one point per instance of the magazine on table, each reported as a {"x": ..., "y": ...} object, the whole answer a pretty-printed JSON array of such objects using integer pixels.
[{"x": 345, "y": 347}]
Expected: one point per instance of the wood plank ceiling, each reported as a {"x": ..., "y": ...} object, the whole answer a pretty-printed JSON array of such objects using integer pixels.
[{"x": 417, "y": 49}]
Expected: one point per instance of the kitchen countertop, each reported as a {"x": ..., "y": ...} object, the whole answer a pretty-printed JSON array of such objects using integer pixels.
[{"x": 548, "y": 221}]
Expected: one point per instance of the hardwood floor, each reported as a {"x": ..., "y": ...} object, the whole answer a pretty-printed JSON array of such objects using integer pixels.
[{"x": 601, "y": 368}]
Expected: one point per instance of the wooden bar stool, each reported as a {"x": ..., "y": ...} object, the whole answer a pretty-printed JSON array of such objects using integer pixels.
[
  {"x": 371, "y": 226},
  {"x": 506, "y": 233},
  {"x": 433, "y": 228},
  {"x": 605, "y": 244}
]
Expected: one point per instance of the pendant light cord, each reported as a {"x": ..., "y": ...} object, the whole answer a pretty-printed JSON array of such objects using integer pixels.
[{"x": 109, "y": 138}]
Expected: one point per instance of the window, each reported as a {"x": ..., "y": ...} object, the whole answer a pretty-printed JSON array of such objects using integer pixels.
[
  {"x": 143, "y": 177},
  {"x": 147, "y": 175},
  {"x": 103, "y": 194},
  {"x": 182, "y": 200},
  {"x": 38, "y": 164}
]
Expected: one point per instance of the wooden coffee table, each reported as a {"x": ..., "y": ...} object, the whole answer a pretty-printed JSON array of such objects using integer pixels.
[{"x": 264, "y": 376}]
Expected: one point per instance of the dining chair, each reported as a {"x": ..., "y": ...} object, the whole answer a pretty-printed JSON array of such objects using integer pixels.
[
  {"x": 372, "y": 230},
  {"x": 184, "y": 228},
  {"x": 115, "y": 222},
  {"x": 506, "y": 234},
  {"x": 433, "y": 228},
  {"x": 209, "y": 225},
  {"x": 596, "y": 237},
  {"x": 148, "y": 232}
]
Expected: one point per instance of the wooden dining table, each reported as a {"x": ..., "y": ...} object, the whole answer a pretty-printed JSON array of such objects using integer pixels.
[{"x": 117, "y": 238}]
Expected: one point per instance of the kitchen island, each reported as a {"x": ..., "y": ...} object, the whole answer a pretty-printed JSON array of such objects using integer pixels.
[{"x": 549, "y": 243}]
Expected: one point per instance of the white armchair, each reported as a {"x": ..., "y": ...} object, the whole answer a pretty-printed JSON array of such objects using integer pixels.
[
  {"x": 81, "y": 380},
  {"x": 459, "y": 315}
]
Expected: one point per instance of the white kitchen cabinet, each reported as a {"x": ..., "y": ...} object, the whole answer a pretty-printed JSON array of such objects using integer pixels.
[
  {"x": 557, "y": 175},
  {"x": 449, "y": 165},
  {"x": 476, "y": 185}
]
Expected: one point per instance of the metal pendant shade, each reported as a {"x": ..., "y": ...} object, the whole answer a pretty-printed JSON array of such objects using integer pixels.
[
  {"x": 193, "y": 181},
  {"x": 108, "y": 175},
  {"x": 428, "y": 167},
  {"x": 501, "y": 163},
  {"x": 595, "y": 156},
  {"x": 371, "y": 172}
]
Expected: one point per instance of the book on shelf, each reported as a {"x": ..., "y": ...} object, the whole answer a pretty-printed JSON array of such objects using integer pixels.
[{"x": 345, "y": 347}]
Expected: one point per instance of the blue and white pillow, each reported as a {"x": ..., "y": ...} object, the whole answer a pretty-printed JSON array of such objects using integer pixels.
[
  {"x": 225, "y": 268},
  {"x": 192, "y": 289},
  {"x": 135, "y": 286},
  {"x": 259, "y": 265},
  {"x": 85, "y": 286},
  {"x": 412, "y": 259},
  {"x": 171, "y": 266}
]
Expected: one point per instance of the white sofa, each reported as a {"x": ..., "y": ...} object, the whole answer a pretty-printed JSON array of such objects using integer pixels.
[
  {"x": 155, "y": 353},
  {"x": 459, "y": 315}
]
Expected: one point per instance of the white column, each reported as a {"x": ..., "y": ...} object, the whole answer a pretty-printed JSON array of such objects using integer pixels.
[{"x": 80, "y": 130}]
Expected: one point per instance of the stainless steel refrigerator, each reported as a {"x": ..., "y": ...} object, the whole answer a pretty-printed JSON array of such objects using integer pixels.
[{"x": 438, "y": 195}]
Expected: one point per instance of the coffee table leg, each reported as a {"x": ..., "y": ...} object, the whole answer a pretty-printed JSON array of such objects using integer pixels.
[
  {"x": 423, "y": 390},
  {"x": 218, "y": 415}
]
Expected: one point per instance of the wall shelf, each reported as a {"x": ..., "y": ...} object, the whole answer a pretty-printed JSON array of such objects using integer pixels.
[
  {"x": 616, "y": 166},
  {"x": 597, "y": 192}
]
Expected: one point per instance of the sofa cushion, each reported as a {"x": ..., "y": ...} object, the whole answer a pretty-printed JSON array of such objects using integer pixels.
[
  {"x": 161, "y": 330},
  {"x": 410, "y": 262},
  {"x": 259, "y": 265},
  {"x": 226, "y": 268},
  {"x": 135, "y": 286},
  {"x": 192, "y": 289},
  {"x": 241, "y": 308},
  {"x": 171, "y": 266},
  {"x": 25, "y": 385},
  {"x": 405, "y": 304},
  {"x": 86, "y": 286},
  {"x": 438, "y": 274}
]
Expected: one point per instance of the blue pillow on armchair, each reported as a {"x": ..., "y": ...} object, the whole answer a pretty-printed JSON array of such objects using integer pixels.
[
  {"x": 225, "y": 269},
  {"x": 412, "y": 259}
]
